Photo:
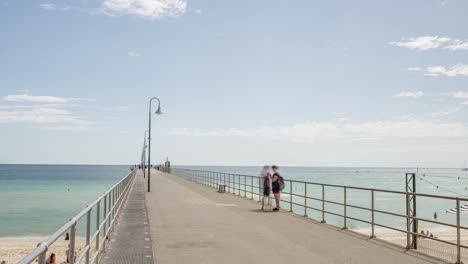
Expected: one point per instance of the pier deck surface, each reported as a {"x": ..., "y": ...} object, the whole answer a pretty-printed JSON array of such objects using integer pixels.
[
  {"x": 192, "y": 223},
  {"x": 131, "y": 239}
]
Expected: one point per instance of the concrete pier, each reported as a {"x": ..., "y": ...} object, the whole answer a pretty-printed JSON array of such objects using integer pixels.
[{"x": 191, "y": 223}]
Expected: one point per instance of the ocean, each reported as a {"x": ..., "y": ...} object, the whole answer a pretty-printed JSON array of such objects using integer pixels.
[
  {"x": 35, "y": 200},
  {"x": 451, "y": 182}
]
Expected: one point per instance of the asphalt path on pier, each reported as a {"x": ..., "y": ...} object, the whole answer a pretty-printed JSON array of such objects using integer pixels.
[{"x": 192, "y": 223}]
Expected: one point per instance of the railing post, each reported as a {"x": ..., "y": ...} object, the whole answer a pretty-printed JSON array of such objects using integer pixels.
[
  {"x": 72, "y": 244},
  {"x": 104, "y": 216},
  {"x": 113, "y": 209},
  {"x": 305, "y": 199},
  {"x": 372, "y": 201},
  {"x": 42, "y": 258},
  {"x": 98, "y": 206},
  {"x": 323, "y": 204},
  {"x": 290, "y": 196},
  {"x": 88, "y": 235},
  {"x": 458, "y": 232},
  {"x": 260, "y": 184},
  {"x": 239, "y": 184},
  {"x": 251, "y": 188},
  {"x": 245, "y": 186},
  {"x": 345, "y": 218},
  {"x": 408, "y": 226},
  {"x": 109, "y": 210}
]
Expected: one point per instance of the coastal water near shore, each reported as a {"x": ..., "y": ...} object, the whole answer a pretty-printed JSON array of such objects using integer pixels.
[{"x": 35, "y": 200}]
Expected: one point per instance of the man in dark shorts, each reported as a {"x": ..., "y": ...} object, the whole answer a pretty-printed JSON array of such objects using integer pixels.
[{"x": 276, "y": 186}]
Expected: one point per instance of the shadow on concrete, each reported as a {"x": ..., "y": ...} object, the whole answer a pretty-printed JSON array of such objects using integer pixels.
[{"x": 261, "y": 211}]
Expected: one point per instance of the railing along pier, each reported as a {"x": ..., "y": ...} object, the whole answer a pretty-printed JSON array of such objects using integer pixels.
[
  {"x": 112, "y": 201},
  {"x": 241, "y": 185}
]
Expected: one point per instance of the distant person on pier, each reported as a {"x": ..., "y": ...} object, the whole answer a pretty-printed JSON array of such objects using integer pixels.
[
  {"x": 277, "y": 184},
  {"x": 265, "y": 185},
  {"x": 51, "y": 259},
  {"x": 67, "y": 236}
]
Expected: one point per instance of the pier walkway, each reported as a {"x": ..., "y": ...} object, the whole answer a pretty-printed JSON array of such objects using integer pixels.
[
  {"x": 191, "y": 223},
  {"x": 131, "y": 241}
]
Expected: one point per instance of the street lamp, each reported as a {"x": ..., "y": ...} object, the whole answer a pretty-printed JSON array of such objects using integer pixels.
[
  {"x": 158, "y": 112},
  {"x": 144, "y": 154}
]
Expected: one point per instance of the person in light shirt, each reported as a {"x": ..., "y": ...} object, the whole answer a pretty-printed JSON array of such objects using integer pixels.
[{"x": 265, "y": 185}]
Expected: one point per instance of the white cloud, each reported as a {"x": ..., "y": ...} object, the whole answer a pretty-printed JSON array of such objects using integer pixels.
[
  {"x": 432, "y": 42},
  {"x": 41, "y": 99},
  {"x": 457, "y": 44},
  {"x": 11, "y": 107},
  {"x": 47, "y": 6},
  {"x": 410, "y": 94},
  {"x": 310, "y": 131},
  {"x": 198, "y": 11},
  {"x": 116, "y": 108},
  {"x": 133, "y": 54},
  {"x": 416, "y": 69},
  {"x": 53, "y": 7},
  {"x": 150, "y": 9},
  {"x": 44, "y": 115},
  {"x": 460, "y": 94},
  {"x": 452, "y": 71},
  {"x": 422, "y": 43},
  {"x": 47, "y": 117},
  {"x": 446, "y": 112}
]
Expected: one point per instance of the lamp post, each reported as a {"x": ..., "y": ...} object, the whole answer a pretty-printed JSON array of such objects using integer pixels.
[
  {"x": 158, "y": 112},
  {"x": 144, "y": 154}
]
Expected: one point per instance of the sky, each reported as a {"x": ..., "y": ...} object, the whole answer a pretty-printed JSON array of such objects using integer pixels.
[{"x": 245, "y": 82}]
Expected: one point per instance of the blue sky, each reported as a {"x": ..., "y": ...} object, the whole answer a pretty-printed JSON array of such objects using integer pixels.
[{"x": 314, "y": 83}]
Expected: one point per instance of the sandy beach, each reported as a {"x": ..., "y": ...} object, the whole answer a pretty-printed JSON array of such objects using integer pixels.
[{"x": 12, "y": 249}]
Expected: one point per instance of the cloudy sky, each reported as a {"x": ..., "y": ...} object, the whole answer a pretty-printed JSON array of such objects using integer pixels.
[{"x": 313, "y": 83}]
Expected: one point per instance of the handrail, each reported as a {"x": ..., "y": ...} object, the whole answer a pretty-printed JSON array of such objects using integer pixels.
[
  {"x": 235, "y": 185},
  {"x": 112, "y": 198}
]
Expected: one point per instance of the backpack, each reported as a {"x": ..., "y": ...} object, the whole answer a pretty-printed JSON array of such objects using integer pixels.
[{"x": 281, "y": 182}]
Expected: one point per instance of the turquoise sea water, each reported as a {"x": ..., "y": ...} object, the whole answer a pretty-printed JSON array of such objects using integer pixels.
[
  {"x": 437, "y": 181},
  {"x": 36, "y": 200}
]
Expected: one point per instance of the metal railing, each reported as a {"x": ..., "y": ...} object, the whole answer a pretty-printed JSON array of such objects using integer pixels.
[
  {"x": 111, "y": 201},
  {"x": 248, "y": 186}
]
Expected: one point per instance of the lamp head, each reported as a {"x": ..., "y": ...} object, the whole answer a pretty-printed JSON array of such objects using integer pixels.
[{"x": 158, "y": 112}]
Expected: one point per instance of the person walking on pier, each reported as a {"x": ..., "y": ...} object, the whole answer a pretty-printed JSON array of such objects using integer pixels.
[
  {"x": 277, "y": 185},
  {"x": 265, "y": 185}
]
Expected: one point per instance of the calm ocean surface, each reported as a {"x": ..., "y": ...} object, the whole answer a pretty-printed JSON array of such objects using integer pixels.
[
  {"x": 35, "y": 200},
  {"x": 445, "y": 182}
]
